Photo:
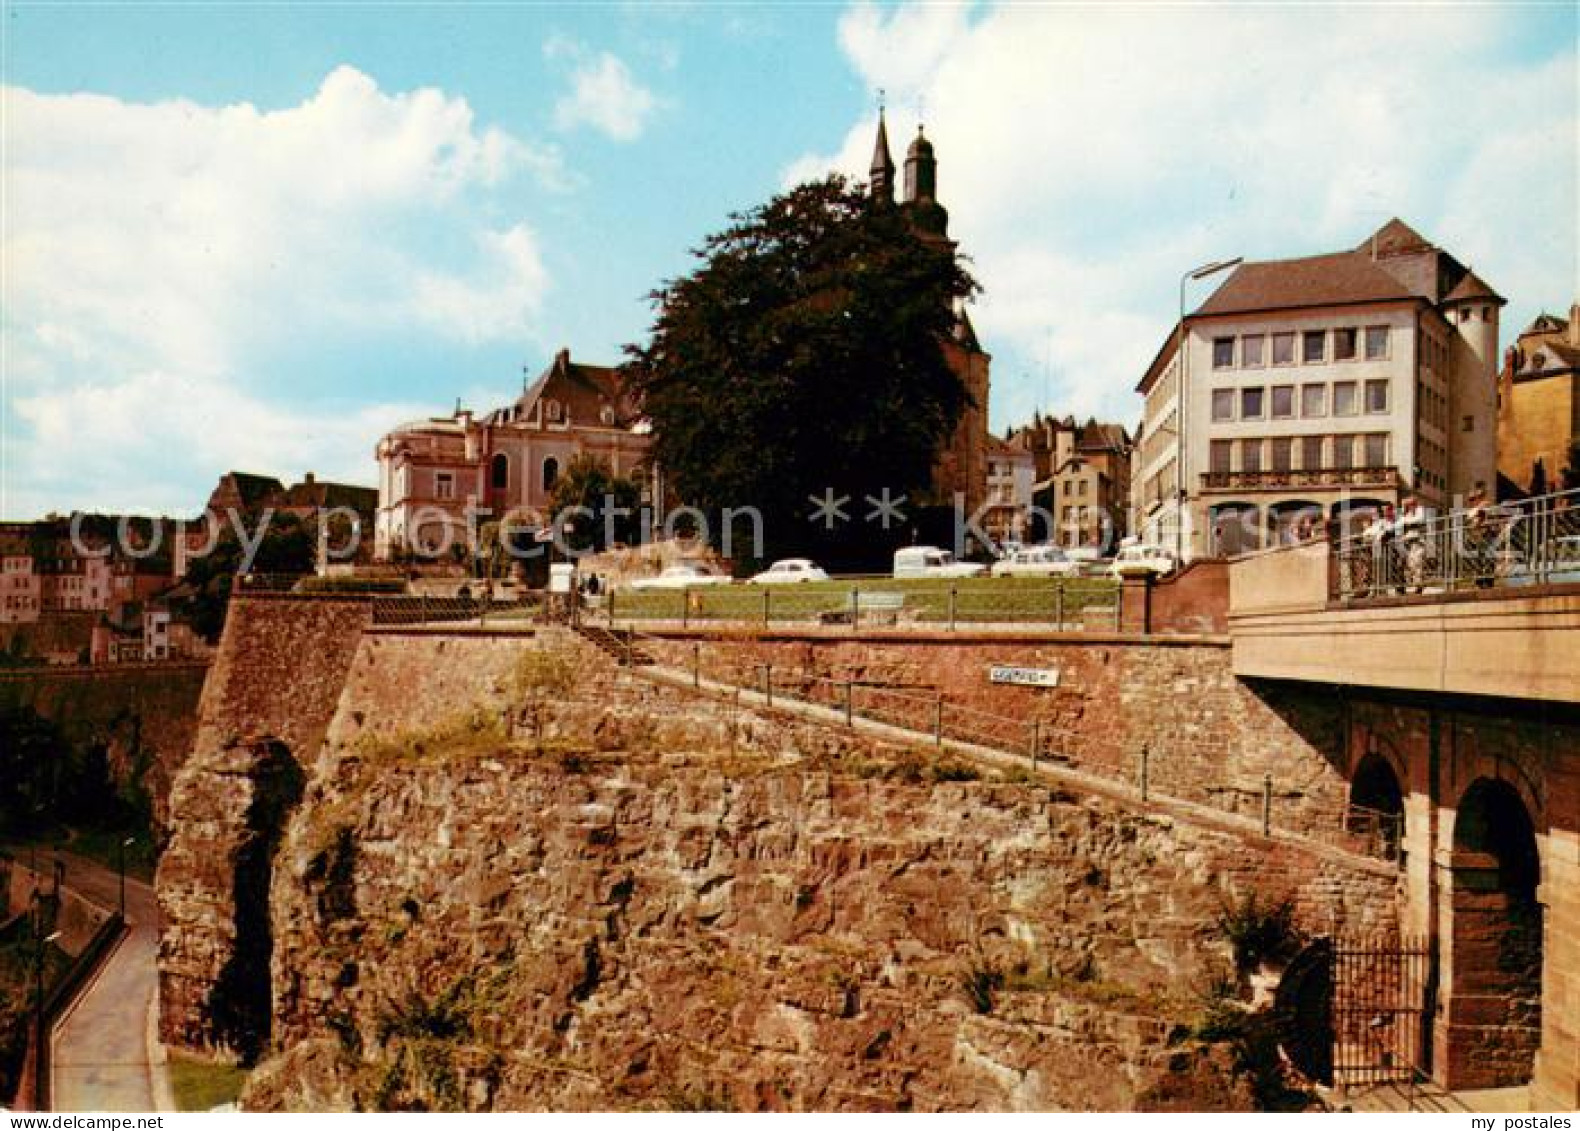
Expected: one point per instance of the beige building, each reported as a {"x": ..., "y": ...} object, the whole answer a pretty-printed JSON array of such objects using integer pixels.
[
  {"x": 1082, "y": 478},
  {"x": 1318, "y": 388},
  {"x": 1539, "y": 403},
  {"x": 433, "y": 472},
  {"x": 1011, "y": 476}
]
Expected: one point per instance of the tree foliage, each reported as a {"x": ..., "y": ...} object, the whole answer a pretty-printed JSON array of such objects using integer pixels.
[
  {"x": 606, "y": 504},
  {"x": 804, "y": 353}
]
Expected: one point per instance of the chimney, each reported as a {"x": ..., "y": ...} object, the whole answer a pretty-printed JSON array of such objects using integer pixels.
[
  {"x": 308, "y": 479},
  {"x": 1574, "y": 324}
]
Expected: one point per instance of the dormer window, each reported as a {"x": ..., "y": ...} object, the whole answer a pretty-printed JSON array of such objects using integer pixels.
[
  {"x": 606, "y": 415},
  {"x": 553, "y": 411}
]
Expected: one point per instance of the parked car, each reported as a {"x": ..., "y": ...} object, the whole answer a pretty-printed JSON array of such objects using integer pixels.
[
  {"x": 789, "y": 571},
  {"x": 1089, "y": 561},
  {"x": 930, "y": 561},
  {"x": 1560, "y": 565},
  {"x": 683, "y": 575},
  {"x": 1133, "y": 560},
  {"x": 1035, "y": 561}
]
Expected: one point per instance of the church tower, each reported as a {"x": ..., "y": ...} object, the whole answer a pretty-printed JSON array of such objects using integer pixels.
[
  {"x": 882, "y": 172},
  {"x": 921, "y": 189}
]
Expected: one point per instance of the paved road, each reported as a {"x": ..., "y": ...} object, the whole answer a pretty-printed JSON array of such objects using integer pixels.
[{"x": 101, "y": 1049}]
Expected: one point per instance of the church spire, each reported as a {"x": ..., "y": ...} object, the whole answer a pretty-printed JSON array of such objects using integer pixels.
[{"x": 882, "y": 171}]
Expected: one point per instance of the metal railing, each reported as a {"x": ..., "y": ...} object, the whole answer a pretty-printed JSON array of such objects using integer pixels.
[
  {"x": 480, "y": 612},
  {"x": 929, "y": 718},
  {"x": 1532, "y": 542},
  {"x": 1062, "y": 605}
]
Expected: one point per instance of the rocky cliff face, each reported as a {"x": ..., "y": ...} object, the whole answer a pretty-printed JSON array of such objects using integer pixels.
[{"x": 518, "y": 879}]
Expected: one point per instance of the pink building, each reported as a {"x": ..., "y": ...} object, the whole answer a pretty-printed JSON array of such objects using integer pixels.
[{"x": 433, "y": 472}]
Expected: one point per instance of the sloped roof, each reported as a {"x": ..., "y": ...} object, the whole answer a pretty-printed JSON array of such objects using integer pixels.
[
  {"x": 1472, "y": 287},
  {"x": 584, "y": 390},
  {"x": 254, "y": 489},
  {"x": 1395, "y": 238},
  {"x": 318, "y": 493},
  {"x": 1337, "y": 279},
  {"x": 1095, "y": 436}
]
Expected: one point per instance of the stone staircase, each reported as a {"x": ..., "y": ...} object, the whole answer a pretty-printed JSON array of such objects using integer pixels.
[
  {"x": 618, "y": 646},
  {"x": 1425, "y": 1095}
]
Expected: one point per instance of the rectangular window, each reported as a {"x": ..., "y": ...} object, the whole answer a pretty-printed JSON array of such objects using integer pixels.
[
  {"x": 1376, "y": 343},
  {"x": 1376, "y": 396},
  {"x": 1284, "y": 349},
  {"x": 1313, "y": 346},
  {"x": 1223, "y": 353},
  {"x": 1250, "y": 455},
  {"x": 1283, "y": 401},
  {"x": 1251, "y": 350},
  {"x": 1343, "y": 452},
  {"x": 1223, "y": 404},
  {"x": 444, "y": 485},
  {"x": 1344, "y": 398},
  {"x": 1344, "y": 344},
  {"x": 1283, "y": 453},
  {"x": 1250, "y": 404},
  {"x": 1313, "y": 400},
  {"x": 1377, "y": 449},
  {"x": 1219, "y": 456}
]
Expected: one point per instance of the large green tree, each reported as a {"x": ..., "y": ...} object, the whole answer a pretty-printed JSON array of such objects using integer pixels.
[
  {"x": 805, "y": 355},
  {"x": 605, "y": 503}
]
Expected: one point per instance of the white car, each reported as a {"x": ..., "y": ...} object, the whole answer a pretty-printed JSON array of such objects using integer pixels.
[
  {"x": 1035, "y": 561},
  {"x": 685, "y": 575},
  {"x": 1133, "y": 560},
  {"x": 930, "y": 561},
  {"x": 789, "y": 571}
]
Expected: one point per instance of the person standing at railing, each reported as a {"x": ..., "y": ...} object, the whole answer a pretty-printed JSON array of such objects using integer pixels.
[
  {"x": 1410, "y": 532},
  {"x": 1378, "y": 538},
  {"x": 1474, "y": 536}
]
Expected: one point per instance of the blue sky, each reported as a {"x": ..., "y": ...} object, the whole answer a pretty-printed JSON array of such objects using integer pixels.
[{"x": 257, "y": 236}]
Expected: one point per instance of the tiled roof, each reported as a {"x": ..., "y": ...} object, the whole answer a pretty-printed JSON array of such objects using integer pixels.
[
  {"x": 1472, "y": 287},
  {"x": 1340, "y": 278}
]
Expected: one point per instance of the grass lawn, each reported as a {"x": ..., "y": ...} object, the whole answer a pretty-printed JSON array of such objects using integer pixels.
[
  {"x": 1003, "y": 599},
  {"x": 202, "y": 1085}
]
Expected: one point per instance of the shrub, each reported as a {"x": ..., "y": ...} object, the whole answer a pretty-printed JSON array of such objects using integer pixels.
[{"x": 1259, "y": 931}]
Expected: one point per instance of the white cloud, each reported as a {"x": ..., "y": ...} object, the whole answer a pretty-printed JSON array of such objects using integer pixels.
[
  {"x": 1089, "y": 156},
  {"x": 154, "y": 252},
  {"x": 603, "y": 94}
]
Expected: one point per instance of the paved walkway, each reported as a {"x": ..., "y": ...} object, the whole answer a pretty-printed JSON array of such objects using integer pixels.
[{"x": 101, "y": 1051}]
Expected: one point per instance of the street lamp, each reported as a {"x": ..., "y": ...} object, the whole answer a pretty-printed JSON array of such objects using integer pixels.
[
  {"x": 120, "y": 864},
  {"x": 1180, "y": 480}
]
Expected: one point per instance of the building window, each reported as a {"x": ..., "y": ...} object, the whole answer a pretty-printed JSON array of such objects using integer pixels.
[
  {"x": 1218, "y": 457},
  {"x": 1464, "y": 314},
  {"x": 1284, "y": 349},
  {"x": 1467, "y": 424},
  {"x": 1376, "y": 396},
  {"x": 551, "y": 473},
  {"x": 1223, "y": 353},
  {"x": 1314, "y": 346},
  {"x": 1283, "y": 453},
  {"x": 1376, "y": 343},
  {"x": 1344, "y": 344},
  {"x": 1252, "y": 347},
  {"x": 1223, "y": 404},
  {"x": 444, "y": 485},
  {"x": 499, "y": 472},
  {"x": 1250, "y": 455},
  {"x": 1283, "y": 401},
  {"x": 1344, "y": 452},
  {"x": 1344, "y": 398},
  {"x": 1377, "y": 449},
  {"x": 1250, "y": 404},
  {"x": 1313, "y": 400}
]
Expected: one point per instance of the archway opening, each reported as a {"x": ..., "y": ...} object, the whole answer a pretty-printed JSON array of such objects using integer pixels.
[
  {"x": 1376, "y": 809},
  {"x": 1494, "y": 1008}
]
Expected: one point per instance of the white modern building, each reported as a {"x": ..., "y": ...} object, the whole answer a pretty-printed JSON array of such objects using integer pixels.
[{"x": 1318, "y": 388}]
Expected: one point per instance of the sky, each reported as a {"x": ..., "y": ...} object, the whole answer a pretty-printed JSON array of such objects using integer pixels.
[{"x": 258, "y": 236}]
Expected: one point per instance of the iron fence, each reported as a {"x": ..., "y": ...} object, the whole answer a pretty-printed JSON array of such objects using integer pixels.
[
  {"x": 1532, "y": 542},
  {"x": 480, "y": 612},
  {"x": 929, "y": 717},
  {"x": 1067, "y": 606}
]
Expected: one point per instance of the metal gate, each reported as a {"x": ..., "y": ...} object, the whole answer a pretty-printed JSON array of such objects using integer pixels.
[
  {"x": 1354, "y": 1010},
  {"x": 1381, "y": 990}
]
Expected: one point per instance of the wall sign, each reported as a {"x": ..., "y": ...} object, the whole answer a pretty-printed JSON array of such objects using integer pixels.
[{"x": 1026, "y": 677}]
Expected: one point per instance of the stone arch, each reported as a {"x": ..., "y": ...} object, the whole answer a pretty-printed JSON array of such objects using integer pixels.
[
  {"x": 1376, "y": 803},
  {"x": 1493, "y": 1015}
]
